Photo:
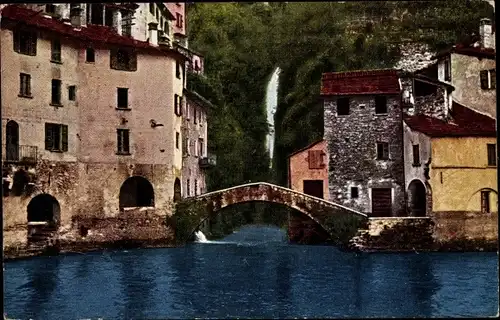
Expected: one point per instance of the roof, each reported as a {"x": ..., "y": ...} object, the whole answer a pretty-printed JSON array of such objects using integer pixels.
[
  {"x": 90, "y": 33},
  {"x": 198, "y": 99},
  {"x": 433, "y": 81},
  {"x": 383, "y": 81},
  {"x": 468, "y": 51},
  {"x": 466, "y": 123},
  {"x": 305, "y": 148}
]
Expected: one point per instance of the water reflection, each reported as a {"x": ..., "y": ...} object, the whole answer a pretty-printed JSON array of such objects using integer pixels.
[{"x": 42, "y": 283}]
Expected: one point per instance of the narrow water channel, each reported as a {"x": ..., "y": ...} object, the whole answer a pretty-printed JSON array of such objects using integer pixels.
[{"x": 252, "y": 273}]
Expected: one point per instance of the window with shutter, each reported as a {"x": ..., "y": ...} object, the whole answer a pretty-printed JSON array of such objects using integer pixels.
[
  {"x": 49, "y": 142},
  {"x": 64, "y": 137},
  {"x": 493, "y": 79},
  {"x": 483, "y": 75},
  {"x": 25, "y": 42},
  {"x": 56, "y": 137},
  {"x": 315, "y": 158},
  {"x": 492, "y": 154},
  {"x": 55, "y": 54}
]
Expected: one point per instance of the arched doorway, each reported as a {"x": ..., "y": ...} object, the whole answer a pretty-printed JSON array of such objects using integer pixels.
[
  {"x": 177, "y": 190},
  {"x": 44, "y": 215},
  {"x": 136, "y": 192},
  {"x": 12, "y": 141},
  {"x": 417, "y": 199}
]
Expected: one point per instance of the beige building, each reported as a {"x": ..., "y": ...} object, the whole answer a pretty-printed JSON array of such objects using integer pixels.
[{"x": 89, "y": 113}]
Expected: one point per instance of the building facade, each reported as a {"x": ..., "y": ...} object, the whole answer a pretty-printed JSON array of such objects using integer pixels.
[
  {"x": 364, "y": 138},
  {"x": 308, "y": 170},
  {"x": 90, "y": 115}
]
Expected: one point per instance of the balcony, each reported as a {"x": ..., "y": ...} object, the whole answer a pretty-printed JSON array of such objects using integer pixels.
[
  {"x": 208, "y": 162},
  {"x": 19, "y": 154}
]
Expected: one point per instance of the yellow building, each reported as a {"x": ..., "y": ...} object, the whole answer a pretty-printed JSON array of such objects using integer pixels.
[{"x": 461, "y": 172}]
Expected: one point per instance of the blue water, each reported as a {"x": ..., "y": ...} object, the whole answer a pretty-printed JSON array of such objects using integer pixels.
[{"x": 252, "y": 273}]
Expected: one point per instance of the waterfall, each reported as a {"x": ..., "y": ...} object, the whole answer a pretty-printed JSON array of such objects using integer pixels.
[
  {"x": 200, "y": 237},
  {"x": 271, "y": 105}
]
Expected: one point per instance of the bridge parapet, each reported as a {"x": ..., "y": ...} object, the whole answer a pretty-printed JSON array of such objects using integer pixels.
[{"x": 340, "y": 222}]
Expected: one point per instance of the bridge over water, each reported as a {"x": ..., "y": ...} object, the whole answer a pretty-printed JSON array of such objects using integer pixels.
[{"x": 340, "y": 222}]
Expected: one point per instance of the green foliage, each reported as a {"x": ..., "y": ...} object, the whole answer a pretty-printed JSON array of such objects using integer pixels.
[{"x": 188, "y": 215}]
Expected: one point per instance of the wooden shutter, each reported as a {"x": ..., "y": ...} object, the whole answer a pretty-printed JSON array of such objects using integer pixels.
[
  {"x": 483, "y": 75},
  {"x": 493, "y": 79},
  {"x": 49, "y": 141},
  {"x": 64, "y": 137},
  {"x": 315, "y": 159},
  {"x": 126, "y": 145}
]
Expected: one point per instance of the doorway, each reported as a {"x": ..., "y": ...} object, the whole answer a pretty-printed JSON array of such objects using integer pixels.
[
  {"x": 12, "y": 141},
  {"x": 381, "y": 202},
  {"x": 314, "y": 188}
]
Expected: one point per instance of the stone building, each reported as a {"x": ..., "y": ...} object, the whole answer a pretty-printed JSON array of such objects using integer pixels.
[
  {"x": 364, "y": 139},
  {"x": 454, "y": 172},
  {"x": 471, "y": 70},
  {"x": 89, "y": 111},
  {"x": 308, "y": 170},
  {"x": 195, "y": 158}
]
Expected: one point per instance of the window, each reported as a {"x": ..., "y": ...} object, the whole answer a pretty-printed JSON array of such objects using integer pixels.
[
  {"x": 56, "y": 137},
  {"x": 177, "y": 138},
  {"x": 122, "y": 98},
  {"x": 55, "y": 53},
  {"x": 72, "y": 93},
  {"x": 25, "y": 42},
  {"x": 127, "y": 24},
  {"x": 151, "y": 8},
  {"x": 342, "y": 106},
  {"x": 380, "y": 105},
  {"x": 178, "y": 70},
  {"x": 186, "y": 150},
  {"x": 165, "y": 28},
  {"x": 447, "y": 69},
  {"x": 416, "y": 155},
  {"x": 315, "y": 159},
  {"x": 122, "y": 59},
  {"x": 157, "y": 13},
  {"x": 90, "y": 55},
  {"x": 200, "y": 147},
  {"x": 179, "y": 21},
  {"x": 195, "y": 187},
  {"x": 201, "y": 118},
  {"x": 194, "y": 115},
  {"x": 24, "y": 85},
  {"x": 50, "y": 8},
  {"x": 488, "y": 79},
  {"x": 492, "y": 154},
  {"x": 382, "y": 151},
  {"x": 188, "y": 107},
  {"x": 178, "y": 105},
  {"x": 485, "y": 201},
  {"x": 123, "y": 141},
  {"x": 354, "y": 192},
  {"x": 56, "y": 92},
  {"x": 96, "y": 13},
  {"x": 188, "y": 187}
]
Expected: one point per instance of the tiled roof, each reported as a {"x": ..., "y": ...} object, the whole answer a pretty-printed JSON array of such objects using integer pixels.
[
  {"x": 469, "y": 51},
  {"x": 90, "y": 33},
  {"x": 305, "y": 148},
  {"x": 360, "y": 82},
  {"x": 466, "y": 122}
]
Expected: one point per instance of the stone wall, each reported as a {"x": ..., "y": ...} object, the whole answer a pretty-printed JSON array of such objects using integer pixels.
[
  {"x": 414, "y": 56},
  {"x": 432, "y": 105},
  {"x": 352, "y": 152}
]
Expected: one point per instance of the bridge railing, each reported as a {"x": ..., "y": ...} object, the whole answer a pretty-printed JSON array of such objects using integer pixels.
[{"x": 208, "y": 194}]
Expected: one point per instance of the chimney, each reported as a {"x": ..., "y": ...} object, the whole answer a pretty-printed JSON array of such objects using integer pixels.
[
  {"x": 64, "y": 12},
  {"x": 75, "y": 15},
  {"x": 117, "y": 21},
  {"x": 485, "y": 32},
  {"x": 153, "y": 33}
]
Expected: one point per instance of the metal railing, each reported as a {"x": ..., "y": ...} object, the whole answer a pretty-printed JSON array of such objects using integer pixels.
[{"x": 19, "y": 154}]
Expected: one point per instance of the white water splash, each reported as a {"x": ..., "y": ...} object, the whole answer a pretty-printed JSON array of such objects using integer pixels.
[
  {"x": 200, "y": 237},
  {"x": 271, "y": 105}
]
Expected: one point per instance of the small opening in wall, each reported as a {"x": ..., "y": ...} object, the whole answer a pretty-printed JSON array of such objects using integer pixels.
[
  {"x": 84, "y": 231},
  {"x": 354, "y": 192}
]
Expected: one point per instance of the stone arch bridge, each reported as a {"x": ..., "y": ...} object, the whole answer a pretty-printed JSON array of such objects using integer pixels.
[{"x": 339, "y": 222}]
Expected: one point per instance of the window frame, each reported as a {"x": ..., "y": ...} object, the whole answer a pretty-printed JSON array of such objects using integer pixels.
[
  {"x": 122, "y": 92},
  {"x": 123, "y": 141},
  {"x": 55, "y": 51},
  {"x": 487, "y": 79},
  {"x": 25, "y": 83},
  {"x": 53, "y": 130},
  {"x": 492, "y": 154},
  {"x": 378, "y": 105},
  {"x": 416, "y": 155},
  {"x": 385, "y": 151},
  {"x": 201, "y": 148},
  {"x": 30, "y": 47},
  {"x": 56, "y": 93},
  {"x": 72, "y": 93},
  {"x": 348, "y": 106}
]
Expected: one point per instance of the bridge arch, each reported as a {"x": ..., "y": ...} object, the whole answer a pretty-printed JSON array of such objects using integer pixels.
[{"x": 318, "y": 210}]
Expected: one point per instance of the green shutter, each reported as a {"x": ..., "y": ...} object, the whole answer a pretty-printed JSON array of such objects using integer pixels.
[
  {"x": 64, "y": 133},
  {"x": 49, "y": 141}
]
